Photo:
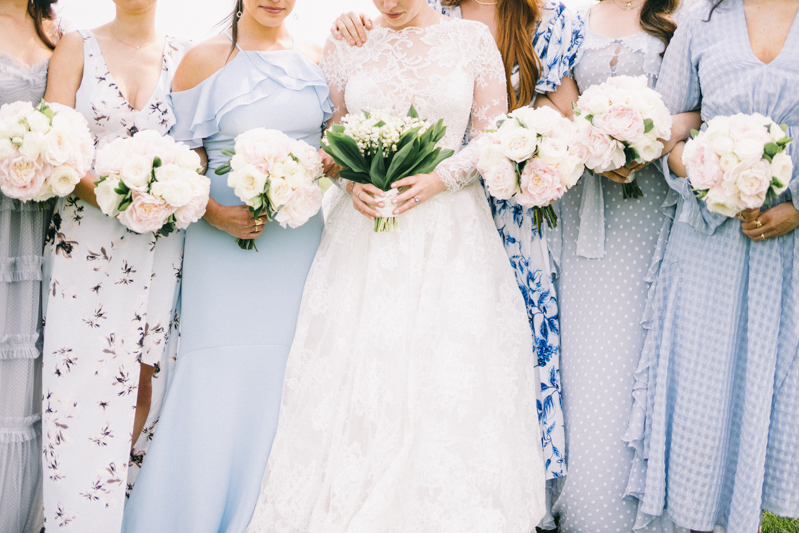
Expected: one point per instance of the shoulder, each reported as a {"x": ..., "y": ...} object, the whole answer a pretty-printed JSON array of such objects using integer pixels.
[
  {"x": 312, "y": 51},
  {"x": 202, "y": 61},
  {"x": 476, "y": 31},
  {"x": 69, "y": 51}
]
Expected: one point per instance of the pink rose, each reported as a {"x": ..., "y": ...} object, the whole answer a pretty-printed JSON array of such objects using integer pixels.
[
  {"x": 304, "y": 203},
  {"x": 540, "y": 184},
  {"x": 702, "y": 164},
  {"x": 309, "y": 158},
  {"x": 501, "y": 180},
  {"x": 22, "y": 178},
  {"x": 746, "y": 127},
  {"x": 621, "y": 122},
  {"x": 751, "y": 179},
  {"x": 598, "y": 150},
  {"x": 195, "y": 209},
  {"x": 147, "y": 213},
  {"x": 262, "y": 147}
]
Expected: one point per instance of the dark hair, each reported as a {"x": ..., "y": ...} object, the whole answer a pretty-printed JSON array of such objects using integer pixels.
[
  {"x": 656, "y": 19},
  {"x": 232, "y": 22},
  {"x": 716, "y": 4},
  {"x": 517, "y": 24},
  {"x": 40, "y": 11}
]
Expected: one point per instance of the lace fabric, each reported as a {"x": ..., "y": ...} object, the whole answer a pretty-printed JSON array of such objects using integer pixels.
[
  {"x": 409, "y": 402},
  {"x": 397, "y": 69}
]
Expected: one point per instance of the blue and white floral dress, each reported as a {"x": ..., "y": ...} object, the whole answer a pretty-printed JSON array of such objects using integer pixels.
[{"x": 556, "y": 41}]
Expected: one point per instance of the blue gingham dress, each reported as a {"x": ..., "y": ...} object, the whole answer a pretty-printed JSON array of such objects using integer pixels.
[
  {"x": 556, "y": 42},
  {"x": 715, "y": 423}
]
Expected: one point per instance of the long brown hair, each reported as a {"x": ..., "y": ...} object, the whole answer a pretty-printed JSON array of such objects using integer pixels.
[
  {"x": 516, "y": 25},
  {"x": 232, "y": 22},
  {"x": 41, "y": 11},
  {"x": 655, "y": 19}
]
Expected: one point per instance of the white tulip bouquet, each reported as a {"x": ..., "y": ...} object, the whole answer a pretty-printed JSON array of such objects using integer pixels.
[
  {"x": 44, "y": 150},
  {"x": 619, "y": 124},
  {"x": 531, "y": 157},
  {"x": 276, "y": 176},
  {"x": 151, "y": 183},
  {"x": 381, "y": 148},
  {"x": 738, "y": 162}
]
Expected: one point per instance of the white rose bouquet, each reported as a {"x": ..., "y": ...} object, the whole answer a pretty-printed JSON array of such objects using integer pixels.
[
  {"x": 44, "y": 150},
  {"x": 381, "y": 148},
  {"x": 738, "y": 163},
  {"x": 276, "y": 176},
  {"x": 151, "y": 183},
  {"x": 532, "y": 158},
  {"x": 620, "y": 123}
]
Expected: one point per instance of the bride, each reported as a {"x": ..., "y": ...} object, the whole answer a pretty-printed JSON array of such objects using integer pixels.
[{"x": 409, "y": 401}]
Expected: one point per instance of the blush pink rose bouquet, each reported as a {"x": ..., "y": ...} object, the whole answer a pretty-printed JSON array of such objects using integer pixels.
[
  {"x": 531, "y": 157},
  {"x": 44, "y": 150},
  {"x": 738, "y": 162},
  {"x": 151, "y": 183},
  {"x": 276, "y": 176},
  {"x": 621, "y": 123}
]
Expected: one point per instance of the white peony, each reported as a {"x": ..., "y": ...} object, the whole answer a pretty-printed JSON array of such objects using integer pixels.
[
  {"x": 501, "y": 180},
  {"x": 238, "y": 161},
  {"x": 177, "y": 192},
  {"x": 782, "y": 169},
  {"x": 279, "y": 192},
  {"x": 169, "y": 172},
  {"x": 542, "y": 120},
  {"x": 490, "y": 156},
  {"x": 748, "y": 148},
  {"x": 188, "y": 158},
  {"x": 776, "y": 132},
  {"x": 648, "y": 150},
  {"x": 727, "y": 161},
  {"x": 722, "y": 145},
  {"x": 247, "y": 183},
  {"x": 5, "y": 148},
  {"x": 63, "y": 180},
  {"x": 136, "y": 171},
  {"x": 106, "y": 197},
  {"x": 58, "y": 146},
  {"x": 552, "y": 151},
  {"x": 518, "y": 144},
  {"x": 720, "y": 201},
  {"x": 571, "y": 168},
  {"x": 594, "y": 101},
  {"x": 32, "y": 144},
  {"x": 37, "y": 122}
]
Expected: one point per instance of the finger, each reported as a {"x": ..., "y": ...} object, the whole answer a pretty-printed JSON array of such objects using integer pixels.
[
  {"x": 361, "y": 28},
  {"x": 371, "y": 189},
  {"x": 405, "y": 182},
  {"x": 366, "y": 22},
  {"x": 638, "y": 167},
  {"x": 414, "y": 191},
  {"x": 410, "y": 204},
  {"x": 334, "y": 32},
  {"x": 623, "y": 172},
  {"x": 613, "y": 176},
  {"x": 366, "y": 198},
  {"x": 364, "y": 208},
  {"x": 350, "y": 30}
]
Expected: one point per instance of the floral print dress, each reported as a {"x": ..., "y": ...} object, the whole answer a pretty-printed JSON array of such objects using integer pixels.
[
  {"x": 556, "y": 42},
  {"x": 109, "y": 305}
]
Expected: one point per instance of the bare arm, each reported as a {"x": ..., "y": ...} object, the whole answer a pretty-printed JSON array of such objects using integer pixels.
[
  {"x": 566, "y": 94},
  {"x": 63, "y": 81}
]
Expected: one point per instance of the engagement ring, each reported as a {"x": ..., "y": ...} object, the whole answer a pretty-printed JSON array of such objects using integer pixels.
[
  {"x": 762, "y": 237},
  {"x": 416, "y": 199}
]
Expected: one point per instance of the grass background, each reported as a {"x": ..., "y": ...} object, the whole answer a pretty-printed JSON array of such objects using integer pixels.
[{"x": 776, "y": 524}]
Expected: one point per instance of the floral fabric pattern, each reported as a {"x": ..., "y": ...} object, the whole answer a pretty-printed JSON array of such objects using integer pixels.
[
  {"x": 556, "y": 42},
  {"x": 108, "y": 307}
]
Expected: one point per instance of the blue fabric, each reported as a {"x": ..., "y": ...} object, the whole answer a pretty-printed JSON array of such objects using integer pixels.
[
  {"x": 715, "y": 423},
  {"x": 239, "y": 309}
]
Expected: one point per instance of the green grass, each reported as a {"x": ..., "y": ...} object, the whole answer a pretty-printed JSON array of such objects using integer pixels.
[{"x": 776, "y": 524}]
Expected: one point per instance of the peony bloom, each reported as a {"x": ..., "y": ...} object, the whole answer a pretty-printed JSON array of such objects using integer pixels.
[
  {"x": 518, "y": 144},
  {"x": 540, "y": 184},
  {"x": 501, "y": 180},
  {"x": 147, "y": 213},
  {"x": 303, "y": 204},
  {"x": 621, "y": 122},
  {"x": 22, "y": 178},
  {"x": 702, "y": 164}
]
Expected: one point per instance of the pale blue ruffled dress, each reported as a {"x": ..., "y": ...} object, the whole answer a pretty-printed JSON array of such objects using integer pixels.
[
  {"x": 239, "y": 308},
  {"x": 715, "y": 419},
  {"x": 556, "y": 41}
]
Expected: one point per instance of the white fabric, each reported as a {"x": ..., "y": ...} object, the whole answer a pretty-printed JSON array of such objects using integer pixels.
[{"x": 409, "y": 402}]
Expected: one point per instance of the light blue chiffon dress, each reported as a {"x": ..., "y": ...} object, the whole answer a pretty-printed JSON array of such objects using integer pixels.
[
  {"x": 715, "y": 420},
  {"x": 239, "y": 308}
]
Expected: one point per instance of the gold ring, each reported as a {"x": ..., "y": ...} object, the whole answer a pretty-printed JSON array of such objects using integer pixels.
[
  {"x": 758, "y": 224},
  {"x": 259, "y": 222},
  {"x": 762, "y": 236}
]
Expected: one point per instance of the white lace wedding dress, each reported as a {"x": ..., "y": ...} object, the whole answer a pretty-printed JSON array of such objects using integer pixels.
[{"x": 409, "y": 403}]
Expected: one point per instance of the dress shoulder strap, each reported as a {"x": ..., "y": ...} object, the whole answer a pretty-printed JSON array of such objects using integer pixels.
[{"x": 231, "y": 40}]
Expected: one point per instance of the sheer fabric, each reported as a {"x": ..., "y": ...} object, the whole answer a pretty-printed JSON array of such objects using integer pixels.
[{"x": 409, "y": 402}]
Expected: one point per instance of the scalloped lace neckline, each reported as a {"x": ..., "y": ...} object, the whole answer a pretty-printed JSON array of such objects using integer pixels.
[{"x": 17, "y": 63}]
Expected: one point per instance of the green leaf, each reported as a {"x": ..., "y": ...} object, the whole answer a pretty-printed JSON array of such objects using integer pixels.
[
  {"x": 378, "y": 170},
  {"x": 224, "y": 169},
  {"x": 228, "y": 152},
  {"x": 344, "y": 151},
  {"x": 122, "y": 189},
  {"x": 367, "y": 114},
  {"x": 337, "y": 128},
  {"x": 576, "y": 110},
  {"x": 784, "y": 127},
  {"x": 694, "y": 134},
  {"x": 777, "y": 184},
  {"x": 785, "y": 141},
  {"x": 412, "y": 112},
  {"x": 590, "y": 118},
  {"x": 631, "y": 155},
  {"x": 772, "y": 149},
  {"x": 397, "y": 163},
  {"x": 357, "y": 177},
  {"x": 649, "y": 125}
]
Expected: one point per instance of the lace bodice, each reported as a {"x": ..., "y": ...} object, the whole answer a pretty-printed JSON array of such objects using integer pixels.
[{"x": 451, "y": 70}]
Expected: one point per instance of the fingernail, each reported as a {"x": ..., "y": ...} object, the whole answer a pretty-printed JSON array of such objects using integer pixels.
[{"x": 381, "y": 204}]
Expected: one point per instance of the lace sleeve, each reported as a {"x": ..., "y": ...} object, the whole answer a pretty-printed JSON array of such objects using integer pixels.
[
  {"x": 336, "y": 75},
  {"x": 490, "y": 101}
]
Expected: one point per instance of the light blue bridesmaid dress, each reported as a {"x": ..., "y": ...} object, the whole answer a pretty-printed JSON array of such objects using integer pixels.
[{"x": 204, "y": 469}]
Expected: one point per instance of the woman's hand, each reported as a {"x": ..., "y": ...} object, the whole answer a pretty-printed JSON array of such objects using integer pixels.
[
  {"x": 622, "y": 175},
  {"x": 422, "y": 187},
  {"x": 364, "y": 197},
  {"x": 352, "y": 28},
  {"x": 236, "y": 220},
  {"x": 774, "y": 222},
  {"x": 330, "y": 166}
]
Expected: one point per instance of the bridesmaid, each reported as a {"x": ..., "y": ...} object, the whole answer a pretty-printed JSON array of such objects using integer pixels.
[
  {"x": 538, "y": 72},
  {"x": 27, "y": 38},
  {"x": 607, "y": 246},
  {"x": 111, "y": 293},
  {"x": 716, "y": 416},
  {"x": 239, "y": 308}
]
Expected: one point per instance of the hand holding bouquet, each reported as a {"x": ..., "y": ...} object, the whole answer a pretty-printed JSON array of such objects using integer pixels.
[
  {"x": 620, "y": 123},
  {"x": 151, "y": 183},
  {"x": 380, "y": 148},
  {"x": 44, "y": 151},
  {"x": 738, "y": 163},
  {"x": 276, "y": 176},
  {"x": 532, "y": 158}
]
